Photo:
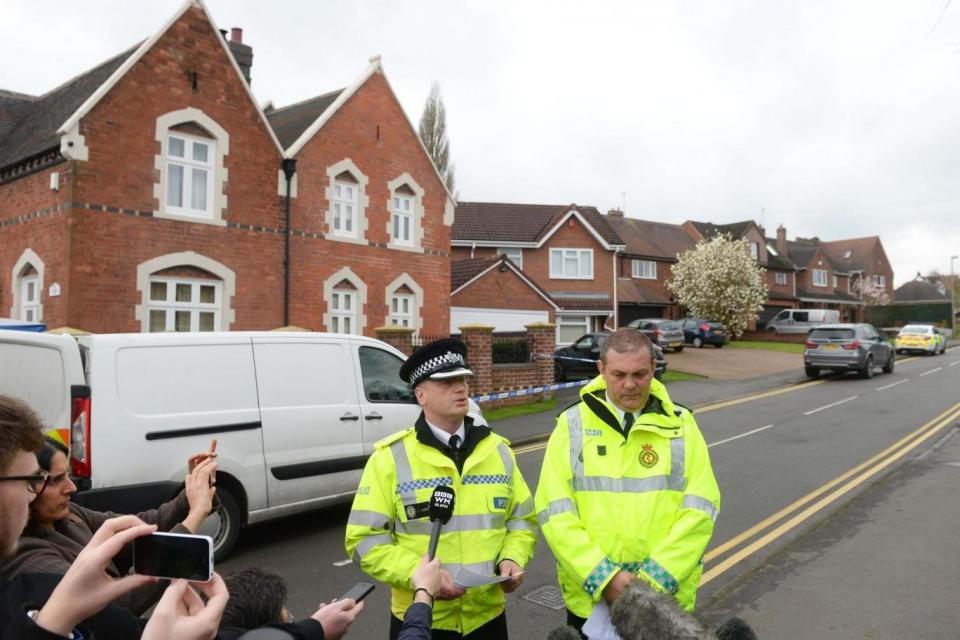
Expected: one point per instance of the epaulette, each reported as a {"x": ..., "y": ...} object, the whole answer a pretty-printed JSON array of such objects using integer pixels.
[
  {"x": 682, "y": 406},
  {"x": 389, "y": 440}
]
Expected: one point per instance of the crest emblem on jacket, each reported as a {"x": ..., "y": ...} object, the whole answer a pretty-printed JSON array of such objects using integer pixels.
[{"x": 648, "y": 457}]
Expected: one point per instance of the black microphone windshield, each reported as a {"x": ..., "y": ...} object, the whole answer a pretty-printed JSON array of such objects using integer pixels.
[{"x": 441, "y": 504}]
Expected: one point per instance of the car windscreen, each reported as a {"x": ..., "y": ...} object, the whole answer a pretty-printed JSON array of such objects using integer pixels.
[
  {"x": 916, "y": 328},
  {"x": 831, "y": 334}
]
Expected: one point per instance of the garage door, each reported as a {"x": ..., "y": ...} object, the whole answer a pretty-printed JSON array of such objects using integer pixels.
[{"x": 500, "y": 319}]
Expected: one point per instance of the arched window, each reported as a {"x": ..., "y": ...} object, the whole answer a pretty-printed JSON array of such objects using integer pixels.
[
  {"x": 346, "y": 296},
  {"x": 27, "y": 287},
  {"x": 190, "y": 166},
  {"x": 185, "y": 292},
  {"x": 404, "y": 298},
  {"x": 405, "y": 225},
  {"x": 346, "y": 192}
]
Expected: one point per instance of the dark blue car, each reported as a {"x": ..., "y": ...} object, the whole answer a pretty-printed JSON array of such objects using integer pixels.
[
  {"x": 699, "y": 331},
  {"x": 579, "y": 359}
]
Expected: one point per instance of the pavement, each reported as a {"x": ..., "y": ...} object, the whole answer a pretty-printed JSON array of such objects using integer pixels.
[
  {"x": 884, "y": 566},
  {"x": 733, "y": 364}
]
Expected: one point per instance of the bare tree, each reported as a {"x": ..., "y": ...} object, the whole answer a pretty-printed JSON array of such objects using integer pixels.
[{"x": 433, "y": 133}]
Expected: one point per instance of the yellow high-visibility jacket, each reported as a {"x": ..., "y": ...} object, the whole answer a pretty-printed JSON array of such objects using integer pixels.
[
  {"x": 388, "y": 530},
  {"x": 645, "y": 503}
]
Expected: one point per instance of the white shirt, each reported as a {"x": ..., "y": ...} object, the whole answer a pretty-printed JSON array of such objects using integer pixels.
[
  {"x": 620, "y": 412},
  {"x": 444, "y": 436}
]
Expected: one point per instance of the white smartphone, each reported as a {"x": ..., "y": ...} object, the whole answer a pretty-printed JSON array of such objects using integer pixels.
[{"x": 174, "y": 555}]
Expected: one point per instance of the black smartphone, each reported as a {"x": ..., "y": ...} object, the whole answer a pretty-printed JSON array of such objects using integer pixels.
[
  {"x": 358, "y": 591},
  {"x": 174, "y": 555}
]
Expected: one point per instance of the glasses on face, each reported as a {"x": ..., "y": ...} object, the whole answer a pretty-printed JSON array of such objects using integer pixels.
[{"x": 35, "y": 483}]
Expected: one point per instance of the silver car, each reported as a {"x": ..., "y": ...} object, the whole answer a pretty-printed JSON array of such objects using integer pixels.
[
  {"x": 667, "y": 334},
  {"x": 847, "y": 347}
]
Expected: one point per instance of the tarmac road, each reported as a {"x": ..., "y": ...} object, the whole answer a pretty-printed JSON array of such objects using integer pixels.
[{"x": 770, "y": 452}]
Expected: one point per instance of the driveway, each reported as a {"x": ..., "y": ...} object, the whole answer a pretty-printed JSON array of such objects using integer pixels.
[{"x": 733, "y": 364}]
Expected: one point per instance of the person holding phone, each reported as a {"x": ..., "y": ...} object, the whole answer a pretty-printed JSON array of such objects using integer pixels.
[{"x": 59, "y": 529}]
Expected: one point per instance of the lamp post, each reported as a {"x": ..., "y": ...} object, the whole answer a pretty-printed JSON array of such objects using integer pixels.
[{"x": 953, "y": 296}]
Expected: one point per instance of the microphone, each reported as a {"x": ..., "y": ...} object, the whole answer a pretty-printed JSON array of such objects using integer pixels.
[{"x": 440, "y": 510}]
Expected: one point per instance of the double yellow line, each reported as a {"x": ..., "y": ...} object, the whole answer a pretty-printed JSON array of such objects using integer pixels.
[{"x": 822, "y": 497}]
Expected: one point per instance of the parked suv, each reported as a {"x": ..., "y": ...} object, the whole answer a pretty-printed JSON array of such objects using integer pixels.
[
  {"x": 847, "y": 347},
  {"x": 580, "y": 358},
  {"x": 665, "y": 333},
  {"x": 699, "y": 331}
]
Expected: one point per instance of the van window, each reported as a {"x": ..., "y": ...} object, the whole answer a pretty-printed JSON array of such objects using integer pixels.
[
  {"x": 783, "y": 315},
  {"x": 178, "y": 379},
  {"x": 302, "y": 374},
  {"x": 801, "y": 316},
  {"x": 34, "y": 374},
  {"x": 381, "y": 377}
]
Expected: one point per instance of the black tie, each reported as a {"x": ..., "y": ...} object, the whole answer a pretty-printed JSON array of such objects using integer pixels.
[
  {"x": 627, "y": 422},
  {"x": 454, "y": 443}
]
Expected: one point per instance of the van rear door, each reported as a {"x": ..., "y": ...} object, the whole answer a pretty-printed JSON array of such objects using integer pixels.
[
  {"x": 312, "y": 430},
  {"x": 40, "y": 369}
]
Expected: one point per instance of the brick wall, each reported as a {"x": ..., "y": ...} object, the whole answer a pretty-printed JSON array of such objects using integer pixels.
[
  {"x": 572, "y": 235},
  {"x": 501, "y": 290}
]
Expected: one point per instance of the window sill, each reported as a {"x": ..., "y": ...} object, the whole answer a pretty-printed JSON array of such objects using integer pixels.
[
  {"x": 405, "y": 247},
  {"x": 346, "y": 239},
  {"x": 556, "y": 277},
  {"x": 644, "y": 277},
  {"x": 182, "y": 217}
]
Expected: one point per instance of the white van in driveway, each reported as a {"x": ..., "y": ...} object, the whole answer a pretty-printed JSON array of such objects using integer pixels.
[
  {"x": 801, "y": 320},
  {"x": 295, "y": 415}
]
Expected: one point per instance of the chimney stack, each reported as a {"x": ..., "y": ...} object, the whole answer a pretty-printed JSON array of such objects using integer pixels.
[
  {"x": 242, "y": 53},
  {"x": 782, "y": 240},
  {"x": 615, "y": 213}
]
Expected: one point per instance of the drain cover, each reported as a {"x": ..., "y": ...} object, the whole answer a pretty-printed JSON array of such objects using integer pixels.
[{"x": 546, "y": 596}]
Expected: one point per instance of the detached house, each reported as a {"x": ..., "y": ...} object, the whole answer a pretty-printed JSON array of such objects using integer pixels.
[
  {"x": 152, "y": 193},
  {"x": 566, "y": 252}
]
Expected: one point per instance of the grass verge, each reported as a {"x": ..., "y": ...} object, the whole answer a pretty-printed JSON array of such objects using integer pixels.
[
  {"x": 677, "y": 376},
  {"x": 786, "y": 347},
  {"x": 520, "y": 410}
]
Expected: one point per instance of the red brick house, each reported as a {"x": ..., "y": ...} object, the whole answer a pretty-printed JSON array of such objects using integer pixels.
[
  {"x": 644, "y": 267},
  {"x": 151, "y": 194},
  {"x": 475, "y": 282},
  {"x": 568, "y": 251}
]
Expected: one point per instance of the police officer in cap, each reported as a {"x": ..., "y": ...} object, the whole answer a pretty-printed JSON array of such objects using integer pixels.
[{"x": 493, "y": 530}]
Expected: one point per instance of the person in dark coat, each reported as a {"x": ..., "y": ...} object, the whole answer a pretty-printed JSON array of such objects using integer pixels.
[
  {"x": 59, "y": 529},
  {"x": 418, "y": 619}
]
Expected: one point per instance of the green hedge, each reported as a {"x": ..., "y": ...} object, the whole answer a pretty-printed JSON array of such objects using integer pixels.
[
  {"x": 511, "y": 352},
  {"x": 897, "y": 315}
]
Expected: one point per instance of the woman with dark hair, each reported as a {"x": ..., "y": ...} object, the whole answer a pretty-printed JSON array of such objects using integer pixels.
[{"x": 58, "y": 529}]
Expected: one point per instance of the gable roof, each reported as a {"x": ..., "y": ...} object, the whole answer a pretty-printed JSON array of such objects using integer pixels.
[
  {"x": 775, "y": 260},
  {"x": 919, "y": 290},
  {"x": 860, "y": 250},
  {"x": 631, "y": 290},
  {"x": 13, "y": 106},
  {"x": 651, "y": 239},
  {"x": 464, "y": 272},
  {"x": 35, "y": 130},
  {"x": 290, "y": 122},
  {"x": 736, "y": 229},
  {"x": 495, "y": 223},
  {"x": 801, "y": 252}
]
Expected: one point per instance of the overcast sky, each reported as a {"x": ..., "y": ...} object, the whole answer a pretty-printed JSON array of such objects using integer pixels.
[{"x": 835, "y": 119}]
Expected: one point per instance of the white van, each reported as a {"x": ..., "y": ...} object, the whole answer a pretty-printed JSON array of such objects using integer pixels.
[
  {"x": 295, "y": 415},
  {"x": 801, "y": 320}
]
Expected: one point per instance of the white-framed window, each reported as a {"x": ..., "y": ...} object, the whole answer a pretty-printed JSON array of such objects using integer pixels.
[
  {"x": 344, "y": 207},
  {"x": 30, "y": 298},
  {"x": 780, "y": 278},
  {"x": 514, "y": 253},
  {"x": 343, "y": 311},
  {"x": 569, "y": 328},
  {"x": 879, "y": 280},
  {"x": 401, "y": 218},
  {"x": 754, "y": 250},
  {"x": 180, "y": 304},
  {"x": 189, "y": 175},
  {"x": 571, "y": 264},
  {"x": 819, "y": 278},
  {"x": 646, "y": 269},
  {"x": 401, "y": 310},
  {"x": 834, "y": 282}
]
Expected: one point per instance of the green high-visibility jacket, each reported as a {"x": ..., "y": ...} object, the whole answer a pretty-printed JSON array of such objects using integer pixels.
[
  {"x": 388, "y": 530},
  {"x": 644, "y": 503}
]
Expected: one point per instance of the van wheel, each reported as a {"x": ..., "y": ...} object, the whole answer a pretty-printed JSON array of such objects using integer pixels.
[{"x": 223, "y": 524}]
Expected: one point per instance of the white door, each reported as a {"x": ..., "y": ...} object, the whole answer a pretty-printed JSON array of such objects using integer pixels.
[
  {"x": 387, "y": 402},
  {"x": 312, "y": 431},
  {"x": 500, "y": 319}
]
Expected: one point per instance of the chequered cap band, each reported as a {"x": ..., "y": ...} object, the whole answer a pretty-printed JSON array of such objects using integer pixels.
[{"x": 437, "y": 362}]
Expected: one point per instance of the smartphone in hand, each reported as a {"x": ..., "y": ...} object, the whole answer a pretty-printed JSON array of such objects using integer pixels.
[
  {"x": 174, "y": 555},
  {"x": 358, "y": 591}
]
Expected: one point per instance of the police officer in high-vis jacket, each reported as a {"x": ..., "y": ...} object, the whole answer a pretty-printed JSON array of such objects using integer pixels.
[
  {"x": 493, "y": 530},
  {"x": 626, "y": 490}
]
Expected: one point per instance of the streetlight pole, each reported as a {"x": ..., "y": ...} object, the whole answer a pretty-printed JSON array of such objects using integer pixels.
[{"x": 953, "y": 296}]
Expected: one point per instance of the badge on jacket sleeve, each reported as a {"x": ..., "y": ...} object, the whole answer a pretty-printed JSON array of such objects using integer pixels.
[
  {"x": 418, "y": 510},
  {"x": 648, "y": 457}
]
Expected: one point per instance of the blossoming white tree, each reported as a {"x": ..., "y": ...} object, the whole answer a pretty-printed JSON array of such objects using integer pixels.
[
  {"x": 721, "y": 281},
  {"x": 871, "y": 292}
]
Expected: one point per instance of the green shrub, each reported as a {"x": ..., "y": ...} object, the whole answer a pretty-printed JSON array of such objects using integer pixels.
[{"x": 510, "y": 352}]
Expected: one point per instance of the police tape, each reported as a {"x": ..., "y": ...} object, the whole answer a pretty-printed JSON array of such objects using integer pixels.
[
  {"x": 575, "y": 359},
  {"x": 530, "y": 390}
]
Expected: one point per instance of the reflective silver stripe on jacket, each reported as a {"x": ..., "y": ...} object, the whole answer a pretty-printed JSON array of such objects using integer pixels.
[
  {"x": 404, "y": 475},
  {"x": 504, "y": 452},
  {"x": 700, "y": 504},
  {"x": 457, "y": 523},
  {"x": 368, "y": 543},
  {"x": 523, "y": 509},
  {"x": 363, "y": 518},
  {"x": 582, "y": 482},
  {"x": 556, "y": 507}
]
